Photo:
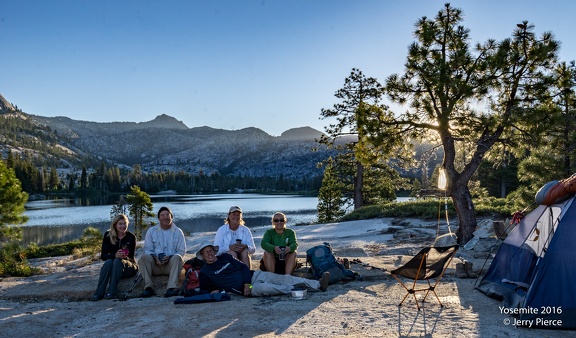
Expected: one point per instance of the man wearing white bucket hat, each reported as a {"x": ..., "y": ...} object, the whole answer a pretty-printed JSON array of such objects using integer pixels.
[{"x": 226, "y": 273}]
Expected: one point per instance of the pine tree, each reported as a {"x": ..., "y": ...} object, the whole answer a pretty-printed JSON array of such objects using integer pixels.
[
  {"x": 445, "y": 77},
  {"x": 12, "y": 201},
  {"x": 140, "y": 209},
  {"x": 84, "y": 178},
  {"x": 121, "y": 207},
  {"x": 54, "y": 180},
  {"x": 357, "y": 91},
  {"x": 330, "y": 200}
]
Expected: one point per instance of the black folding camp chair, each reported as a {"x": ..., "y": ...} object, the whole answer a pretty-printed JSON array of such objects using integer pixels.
[{"x": 429, "y": 264}]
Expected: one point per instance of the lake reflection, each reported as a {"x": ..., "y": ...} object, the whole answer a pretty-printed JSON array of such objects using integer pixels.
[{"x": 58, "y": 221}]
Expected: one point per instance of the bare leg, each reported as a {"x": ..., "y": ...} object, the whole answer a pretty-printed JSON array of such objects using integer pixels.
[
  {"x": 269, "y": 261},
  {"x": 245, "y": 258},
  {"x": 290, "y": 265}
]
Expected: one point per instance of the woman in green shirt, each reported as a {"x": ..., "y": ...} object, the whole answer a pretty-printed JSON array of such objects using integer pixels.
[{"x": 279, "y": 244}]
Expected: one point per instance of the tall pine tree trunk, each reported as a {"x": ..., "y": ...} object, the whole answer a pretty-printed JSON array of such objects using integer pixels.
[
  {"x": 358, "y": 182},
  {"x": 465, "y": 210}
]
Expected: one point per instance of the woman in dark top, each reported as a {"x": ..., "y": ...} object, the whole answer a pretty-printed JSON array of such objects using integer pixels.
[{"x": 118, "y": 246}]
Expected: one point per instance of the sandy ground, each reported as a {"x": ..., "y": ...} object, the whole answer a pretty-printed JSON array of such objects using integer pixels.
[{"x": 56, "y": 304}]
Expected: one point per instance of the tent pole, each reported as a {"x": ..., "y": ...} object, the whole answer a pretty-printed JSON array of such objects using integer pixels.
[
  {"x": 512, "y": 222},
  {"x": 490, "y": 252}
]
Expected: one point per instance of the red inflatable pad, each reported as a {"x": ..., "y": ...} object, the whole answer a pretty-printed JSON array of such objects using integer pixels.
[{"x": 562, "y": 189}]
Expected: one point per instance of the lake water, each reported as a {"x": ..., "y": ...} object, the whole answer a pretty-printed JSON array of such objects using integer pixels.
[{"x": 62, "y": 220}]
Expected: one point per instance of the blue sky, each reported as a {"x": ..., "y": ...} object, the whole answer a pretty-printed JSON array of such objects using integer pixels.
[{"x": 226, "y": 64}]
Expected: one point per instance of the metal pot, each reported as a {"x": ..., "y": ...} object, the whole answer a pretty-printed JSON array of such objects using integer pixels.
[{"x": 298, "y": 294}]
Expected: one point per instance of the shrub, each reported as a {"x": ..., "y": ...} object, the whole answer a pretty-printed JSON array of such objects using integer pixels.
[
  {"x": 426, "y": 208},
  {"x": 498, "y": 207},
  {"x": 92, "y": 238},
  {"x": 52, "y": 250},
  {"x": 88, "y": 245},
  {"x": 430, "y": 208},
  {"x": 13, "y": 261}
]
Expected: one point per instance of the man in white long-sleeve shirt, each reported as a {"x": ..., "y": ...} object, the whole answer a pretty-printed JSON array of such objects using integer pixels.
[{"x": 164, "y": 249}]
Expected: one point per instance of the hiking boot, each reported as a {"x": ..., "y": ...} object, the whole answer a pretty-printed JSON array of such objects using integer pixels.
[
  {"x": 172, "y": 292},
  {"x": 301, "y": 286},
  {"x": 469, "y": 271},
  {"x": 346, "y": 263},
  {"x": 324, "y": 281},
  {"x": 461, "y": 270},
  {"x": 109, "y": 296},
  {"x": 148, "y": 292},
  {"x": 96, "y": 297}
]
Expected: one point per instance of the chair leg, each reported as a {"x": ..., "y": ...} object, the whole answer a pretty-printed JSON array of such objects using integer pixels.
[
  {"x": 403, "y": 299},
  {"x": 427, "y": 291},
  {"x": 438, "y": 279},
  {"x": 408, "y": 292},
  {"x": 413, "y": 291},
  {"x": 416, "y": 301},
  {"x": 432, "y": 288},
  {"x": 438, "y": 299}
]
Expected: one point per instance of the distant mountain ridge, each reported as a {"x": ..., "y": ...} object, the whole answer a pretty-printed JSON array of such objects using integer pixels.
[
  {"x": 166, "y": 143},
  {"x": 67, "y": 125}
]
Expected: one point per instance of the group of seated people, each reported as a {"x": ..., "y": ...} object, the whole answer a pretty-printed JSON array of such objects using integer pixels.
[{"x": 227, "y": 259}]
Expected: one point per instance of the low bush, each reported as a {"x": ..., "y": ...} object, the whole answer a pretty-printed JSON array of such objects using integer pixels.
[
  {"x": 13, "y": 261},
  {"x": 88, "y": 245},
  {"x": 496, "y": 207},
  {"x": 426, "y": 208},
  {"x": 431, "y": 208}
]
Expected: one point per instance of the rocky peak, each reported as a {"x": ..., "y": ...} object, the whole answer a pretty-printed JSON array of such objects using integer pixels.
[
  {"x": 5, "y": 105},
  {"x": 301, "y": 134},
  {"x": 164, "y": 121}
]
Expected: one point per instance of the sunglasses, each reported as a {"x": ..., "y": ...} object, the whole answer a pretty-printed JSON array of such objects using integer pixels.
[{"x": 276, "y": 220}]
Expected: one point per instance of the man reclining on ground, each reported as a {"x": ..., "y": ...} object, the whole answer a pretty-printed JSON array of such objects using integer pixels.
[{"x": 225, "y": 273}]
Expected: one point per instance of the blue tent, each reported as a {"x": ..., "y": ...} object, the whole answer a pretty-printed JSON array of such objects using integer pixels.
[{"x": 534, "y": 270}]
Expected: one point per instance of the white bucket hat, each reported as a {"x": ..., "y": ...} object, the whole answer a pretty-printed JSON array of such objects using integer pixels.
[{"x": 204, "y": 245}]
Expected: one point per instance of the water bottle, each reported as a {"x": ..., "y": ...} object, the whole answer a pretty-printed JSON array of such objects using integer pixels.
[{"x": 282, "y": 255}]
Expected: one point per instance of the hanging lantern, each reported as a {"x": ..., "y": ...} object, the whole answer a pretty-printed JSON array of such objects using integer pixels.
[{"x": 442, "y": 182}]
